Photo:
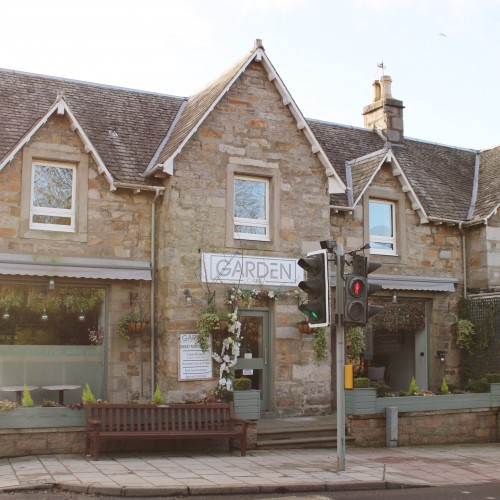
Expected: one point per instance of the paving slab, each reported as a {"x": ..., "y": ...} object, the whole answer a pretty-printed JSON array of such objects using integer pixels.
[{"x": 259, "y": 472}]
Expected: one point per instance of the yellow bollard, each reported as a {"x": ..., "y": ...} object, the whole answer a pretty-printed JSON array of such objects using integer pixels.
[{"x": 348, "y": 377}]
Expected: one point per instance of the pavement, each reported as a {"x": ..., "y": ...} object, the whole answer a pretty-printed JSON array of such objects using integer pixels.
[{"x": 267, "y": 472}]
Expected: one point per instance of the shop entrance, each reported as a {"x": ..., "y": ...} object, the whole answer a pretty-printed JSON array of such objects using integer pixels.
[{"x": 254, "y": 361}]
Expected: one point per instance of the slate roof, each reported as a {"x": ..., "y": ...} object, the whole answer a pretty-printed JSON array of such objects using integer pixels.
[
  {"x": 362, "y": 171},
  {"x": 489, "y": 183},
  {"x": 196, "y": 106},
  {"x": 140, "y": 119},
  {"x": 442, "y": 177}
]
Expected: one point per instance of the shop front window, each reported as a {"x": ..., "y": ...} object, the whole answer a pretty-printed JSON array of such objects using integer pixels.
[
  {"x": 38, "y": 315},
  {"x": 52, "y": 336}
]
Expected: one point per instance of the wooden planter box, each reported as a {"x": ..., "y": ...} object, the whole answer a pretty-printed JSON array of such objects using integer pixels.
[
  {"x": 39, "y": 417},
  {"x": 247, "y": 404}
]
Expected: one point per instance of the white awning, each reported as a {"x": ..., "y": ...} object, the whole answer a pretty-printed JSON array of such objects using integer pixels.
[
  {"x": 74, "y": 267},
  {"x": 420, "y": 283}
]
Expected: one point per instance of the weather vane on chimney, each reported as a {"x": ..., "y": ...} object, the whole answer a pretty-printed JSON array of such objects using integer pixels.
[{"x": 381, "y": 66}]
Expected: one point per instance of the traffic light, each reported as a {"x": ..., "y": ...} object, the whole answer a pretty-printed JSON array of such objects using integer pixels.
[
  {"x": 357, "y": 311},
  {"x": 317, "y": 288},
  {"x": 355, "y": 300}
]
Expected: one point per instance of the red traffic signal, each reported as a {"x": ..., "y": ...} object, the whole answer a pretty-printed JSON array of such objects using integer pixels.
[
  {"x": 358, "y": 288},
  {"x": 356, "y": 300}
]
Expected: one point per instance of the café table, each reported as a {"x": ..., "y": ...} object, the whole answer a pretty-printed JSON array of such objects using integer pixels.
[
  {"x": 61, "y": 389},
  {"x": 18, "y": 389}
]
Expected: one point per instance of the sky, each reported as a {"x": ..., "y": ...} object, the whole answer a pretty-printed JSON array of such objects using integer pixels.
[{"x": 443, "y": 55}]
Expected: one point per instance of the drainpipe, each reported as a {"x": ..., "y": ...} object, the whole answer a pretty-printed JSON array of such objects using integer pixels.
[
  {"x": 159, "y": 192},
  {"x": 464, "y": 258}
]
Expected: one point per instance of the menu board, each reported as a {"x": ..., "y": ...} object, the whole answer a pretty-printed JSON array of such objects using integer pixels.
[{"x": 194, "y": 364}]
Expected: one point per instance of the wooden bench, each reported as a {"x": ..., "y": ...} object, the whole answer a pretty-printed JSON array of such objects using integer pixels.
[{"x": 109, "y": 421}]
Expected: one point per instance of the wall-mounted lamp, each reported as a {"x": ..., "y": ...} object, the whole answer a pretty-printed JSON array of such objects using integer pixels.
[
  {"x": 394, "y": 297},
  {"x": 52, "y": 284},
  {"x": 81, "y": 317},
  {"x": 45, "y": 316},
  {"x": 188, "y": 298},
  {"x": 6, "y": 315},
  {"x": 440, "y": 355}
]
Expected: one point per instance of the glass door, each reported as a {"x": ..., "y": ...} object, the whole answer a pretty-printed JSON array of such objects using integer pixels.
[{"x": 255, "y": 355}]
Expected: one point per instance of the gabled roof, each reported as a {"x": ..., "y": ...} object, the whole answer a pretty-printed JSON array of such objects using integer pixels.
[
  {"x": 125, "y": 127},
  {"x": 60, "y": 107},
  {"x": 361, "y": 171},
  {"x": 133, "y": 135},
  {"x": 488, "y": 191},
  {"x": 439, "y": 179},
  {"x": 200, "y": 105}
]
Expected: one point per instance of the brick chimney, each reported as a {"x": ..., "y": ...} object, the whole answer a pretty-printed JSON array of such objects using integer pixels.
[{"x": 385, "y": 112}]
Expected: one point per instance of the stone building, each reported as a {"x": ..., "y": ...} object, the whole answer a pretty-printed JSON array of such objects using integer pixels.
[{"x": 116, "y": 202}]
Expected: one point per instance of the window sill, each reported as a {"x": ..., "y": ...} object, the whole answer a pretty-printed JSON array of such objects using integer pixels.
[{"x": 55, "y": 235}]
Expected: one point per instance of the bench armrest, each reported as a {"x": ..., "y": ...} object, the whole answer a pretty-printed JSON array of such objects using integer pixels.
[
  {"x": 241, "y": 421},
  {"x": 95, "y": 424}
]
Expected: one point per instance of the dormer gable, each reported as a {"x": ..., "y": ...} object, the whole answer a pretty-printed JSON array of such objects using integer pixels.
[
  {"x": 361, "y": 172},
  {"x": 199, "y": 106},
  {"x": 60, "y": 107}
]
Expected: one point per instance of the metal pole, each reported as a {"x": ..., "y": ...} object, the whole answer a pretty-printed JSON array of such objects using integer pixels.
[{"x": 340, "y": 356}]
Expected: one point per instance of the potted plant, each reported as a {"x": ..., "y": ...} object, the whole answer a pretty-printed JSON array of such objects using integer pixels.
[
  {"x": 11, "y": 298},
  {"x": 304, "y": 327},
  {"x": 355, "y": 340},
  {"x": 246, "y": 400},
  {"x": 211, "y": 319},
  {"x": 319, "y": 345},
  {"x": 207, "y": 322},
  {"x": 467, "y": 338},
  {"x": 82, "y": 300}
]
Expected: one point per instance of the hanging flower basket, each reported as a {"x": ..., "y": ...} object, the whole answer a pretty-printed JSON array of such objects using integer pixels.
[
  {"x": 222, "y": 326},
  {"x": 137, "y": 327},
  {"x": 305, "y": 328}
]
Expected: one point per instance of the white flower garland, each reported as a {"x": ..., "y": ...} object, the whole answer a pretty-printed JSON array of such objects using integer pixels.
[
  {"x": 229, "y": 352},
  {"x": 231, "y": 345}
]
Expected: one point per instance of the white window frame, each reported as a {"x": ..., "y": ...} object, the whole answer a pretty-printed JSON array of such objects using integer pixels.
[
  {"x": 260, "y": 223},
  {"x": 384, "y": 239},
  {"x": 53, "y": 212}
]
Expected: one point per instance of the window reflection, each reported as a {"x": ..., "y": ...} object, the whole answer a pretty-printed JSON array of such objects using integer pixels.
[{"x": 35, "y": 315}]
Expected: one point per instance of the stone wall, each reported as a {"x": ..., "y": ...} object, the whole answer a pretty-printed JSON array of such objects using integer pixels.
[
  {"x": 421, "y": 428},
  {"x": 483, "y": 255},
  {"x": 71, "y": 440},
  {"x": 250, "y": 132}
]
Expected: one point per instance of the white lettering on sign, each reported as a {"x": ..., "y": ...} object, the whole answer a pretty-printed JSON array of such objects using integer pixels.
[{"x": 250, "y": 270}]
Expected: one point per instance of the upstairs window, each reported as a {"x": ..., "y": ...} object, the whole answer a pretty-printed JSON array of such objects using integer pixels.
[
  {"x": 251, "y": 208},
  {"x": 382, "y": 222},
  {"x": 53, "y": 197}
]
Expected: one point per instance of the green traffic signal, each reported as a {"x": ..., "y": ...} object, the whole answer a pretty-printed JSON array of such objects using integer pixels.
[{"x": 317, "y": 287}]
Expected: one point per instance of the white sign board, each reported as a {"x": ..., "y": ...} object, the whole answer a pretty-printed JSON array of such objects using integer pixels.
[
  {"x": 250, "y": 270},
  {"x": 194, "y": 364}
]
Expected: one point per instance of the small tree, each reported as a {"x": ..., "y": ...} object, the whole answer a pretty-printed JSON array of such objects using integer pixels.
[
  {"x": 27, "y": 400},
  {"x": 444, "y": 387},
  {"x": 87, "y": 396},
  {"x": 413, "y": 390},
  {"x": 158, "y": 396}
]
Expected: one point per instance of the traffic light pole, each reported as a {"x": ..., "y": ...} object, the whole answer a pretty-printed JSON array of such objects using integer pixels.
[{"x": 340, "y": 355}]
